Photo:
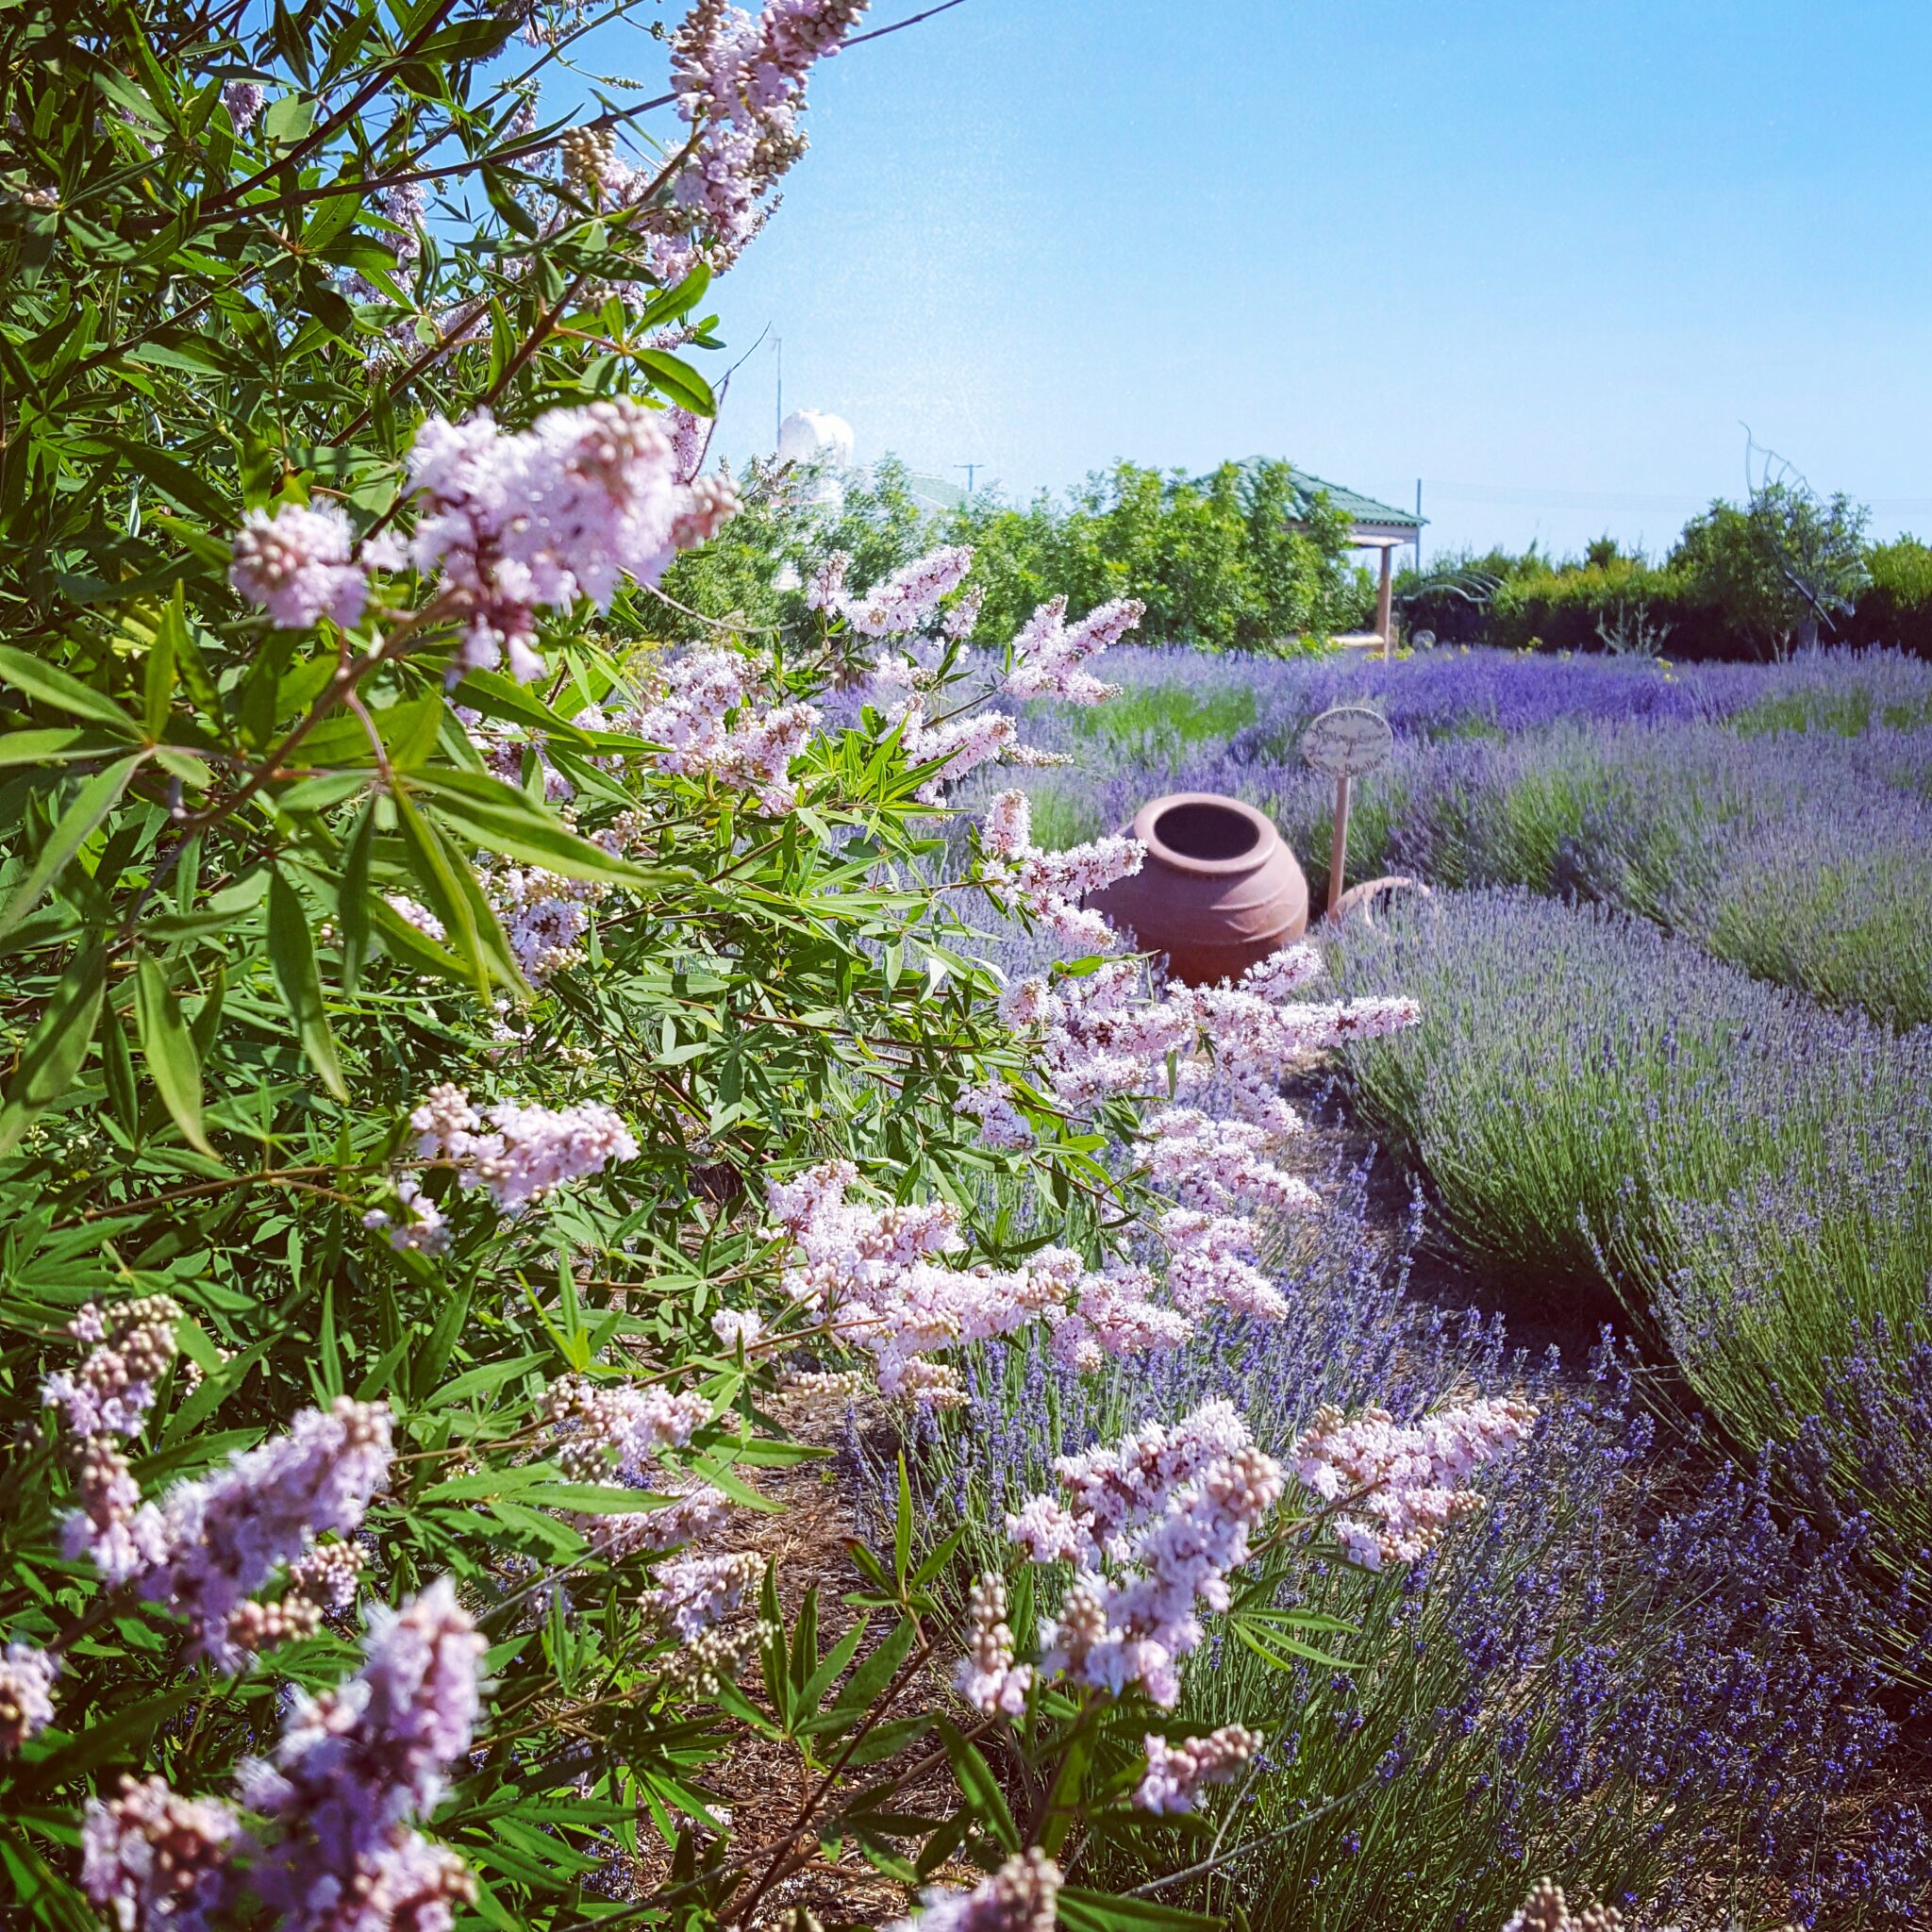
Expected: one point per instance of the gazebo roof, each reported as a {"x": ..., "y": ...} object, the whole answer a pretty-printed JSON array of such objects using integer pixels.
[{"x": 1357, "y": 507}]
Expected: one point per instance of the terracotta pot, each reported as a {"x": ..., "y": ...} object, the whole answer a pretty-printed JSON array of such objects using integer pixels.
[{"x": 1218, "y": 890}]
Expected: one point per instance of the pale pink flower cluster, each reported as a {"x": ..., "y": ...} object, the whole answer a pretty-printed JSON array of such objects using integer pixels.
[
  {"x": 26, "y": 1693},
  {"x": 709, "y": 724},
  {"x": 417, "y": 914},
  {"x": 691, "y": 437},
  {"x": 113, "y": 1389},
  {"x": 298, "y": 563},
  {"x": 902, "y": 603},
  {"x": 405, "y": 206},
  {"x": 1217, "y": 1164},
  {"x": 501, "y": 750},
  {"x": 1099, "y": 1035},
  {"x": 1174, "y": 1511},
  {"x": 737, "y": 1327},
  {"x": 1049, "y": 657},
  {"x": 530, "y": 520},
  {"x": 987, "y": 1676},
  {"x": 543, "y": 916},
  {"x": 356, "y": 1763},
  {"x": 1113, "y": 1490},
  {"x": 1049, "y": 885},
  {"x": 692, "y": 1593},
  {"x": 1546, "y": 1909},
  {"x": 1002, "y": 1125},
  {"x": 156, "y": 1862},
  {"x": 419, "y": 1226},
  {"x": 527, "y": 1152},
  {"x": 1115, "y": 1314},
  {"x": 1006, "y": 830},
  {"x": 1176, "y": 1773},
  {"x": 878, "y": 1273},
  {"x": 956, "y": 745},
  {"x": 1021, "y": 1896},
  {"x": 325, "y": 1579},
  {"x": 1211, "y": 1263},
  {"x": 1401, "y": 1482},
  {"x": 605, "y": 1431},
  {"x": 212, "y": 1541},
  {"x": 741, "y": 85},
  {"x": 110, "y": 1524},
  {"x": 688, "y": 1513},
  {"x": 245, "y": 100},
  {"x": 826, "y": 589},
  {"x": 956, "y": 624}
]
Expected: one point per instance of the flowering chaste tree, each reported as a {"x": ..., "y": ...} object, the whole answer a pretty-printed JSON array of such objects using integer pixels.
[{"x": 469, "y": 1069}]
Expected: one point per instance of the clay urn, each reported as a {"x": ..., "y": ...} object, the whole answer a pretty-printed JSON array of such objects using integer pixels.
[{"x": 1219, "y": 888}]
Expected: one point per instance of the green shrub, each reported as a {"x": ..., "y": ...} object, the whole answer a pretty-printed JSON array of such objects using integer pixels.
[{"x": 1216, "y": 560}]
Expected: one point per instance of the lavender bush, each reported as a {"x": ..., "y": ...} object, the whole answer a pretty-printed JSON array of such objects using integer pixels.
[
  {"x": 1753, "y": 1175},
  {"x": 1636, "y": 1668},
  {"x": 1805, "y": 858}
]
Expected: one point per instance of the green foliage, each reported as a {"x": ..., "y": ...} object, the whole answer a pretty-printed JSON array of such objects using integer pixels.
[
  {"x": 790, "y": 521},
  {"x": 1217, "y": 561},
  {"x": 255, "y": 897}
]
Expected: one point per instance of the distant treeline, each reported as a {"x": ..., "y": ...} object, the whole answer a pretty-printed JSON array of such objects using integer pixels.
[{"x": 1740, "y": 582}]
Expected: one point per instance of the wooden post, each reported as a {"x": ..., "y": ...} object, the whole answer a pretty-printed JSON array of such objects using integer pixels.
[
  {"x": 1338, "y": 851},
  {"x": 1384, "y": 606}
]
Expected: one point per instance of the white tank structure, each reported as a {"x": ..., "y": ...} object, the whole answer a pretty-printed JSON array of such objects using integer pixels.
[{"x": 814, "y": 439}]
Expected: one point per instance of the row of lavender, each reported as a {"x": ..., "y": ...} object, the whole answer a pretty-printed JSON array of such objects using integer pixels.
[
  {"x": 1801, "y": 855},
  {"x": 1635, "y": 1668},
  {"x": 1680, "y": 1661}
]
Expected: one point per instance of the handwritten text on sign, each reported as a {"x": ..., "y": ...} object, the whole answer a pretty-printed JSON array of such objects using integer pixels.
[{"x": 1348, "y": 741}]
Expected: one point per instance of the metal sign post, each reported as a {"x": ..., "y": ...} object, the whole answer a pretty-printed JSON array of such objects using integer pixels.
[{"x": 1347, "y": 742}]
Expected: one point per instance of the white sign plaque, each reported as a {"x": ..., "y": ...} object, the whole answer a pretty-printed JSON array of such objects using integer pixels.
[{"x": 1348, "y": 741}]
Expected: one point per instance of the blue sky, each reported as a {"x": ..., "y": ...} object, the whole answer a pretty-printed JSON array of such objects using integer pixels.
[{"x": 1547, "y": 256}]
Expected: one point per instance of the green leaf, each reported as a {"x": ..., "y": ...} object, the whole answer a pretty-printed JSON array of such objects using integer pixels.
[
  {"x": 500, "y": 818},
  {"x": 292, "y": 954},
  {"x": 54, "y": 1054},
  {"x": 678, "y": 380},
  {"x": 978, "y": 1786},
  {"x": 1101, "y": 1911},
  {"x": 54, "y": 687},
  {"x": 91, "y": 804},
  {"x": 158, "y": 673},
  {"x": 169, "y": 1049},
  {"x": 865, "y": 1683},
  {"x": 831, "y": 1668},
  {"x": 57, "y": 747},
  {"x": 173, "y": 479},
  {"x": 902, "y": 1527}
]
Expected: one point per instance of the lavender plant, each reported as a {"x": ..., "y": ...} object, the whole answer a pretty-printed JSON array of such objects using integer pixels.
[{"x": 1633, "y": 1662}]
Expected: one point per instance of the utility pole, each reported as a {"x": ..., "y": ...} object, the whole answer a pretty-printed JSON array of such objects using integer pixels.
[
  {"x": 969, "y": 468},
  {"x": 1418, "y": 526},
  {"x": 778, "y": 407}
]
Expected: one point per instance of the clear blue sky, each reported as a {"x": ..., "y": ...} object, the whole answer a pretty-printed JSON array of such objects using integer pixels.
[{"x": 1547, "y": 256}]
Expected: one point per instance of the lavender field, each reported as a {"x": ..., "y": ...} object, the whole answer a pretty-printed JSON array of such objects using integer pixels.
[{"x": 1673, "y": 1076}]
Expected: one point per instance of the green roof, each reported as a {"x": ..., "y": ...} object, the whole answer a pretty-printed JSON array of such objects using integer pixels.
[{"x": 1357, "y": 507}]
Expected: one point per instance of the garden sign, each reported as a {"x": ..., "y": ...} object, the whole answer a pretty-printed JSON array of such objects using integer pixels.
[{"x": 1347, "y": 742}]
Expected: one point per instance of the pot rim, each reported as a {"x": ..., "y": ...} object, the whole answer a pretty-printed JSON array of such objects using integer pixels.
[{"x": 1266, "y": 837}]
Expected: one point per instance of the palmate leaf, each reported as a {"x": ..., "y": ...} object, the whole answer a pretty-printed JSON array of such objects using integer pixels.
[
  {"x": 502, "y": 818},
  {"x": 54, "y": 686},
  {"x": 1099, "y": 1911}
]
